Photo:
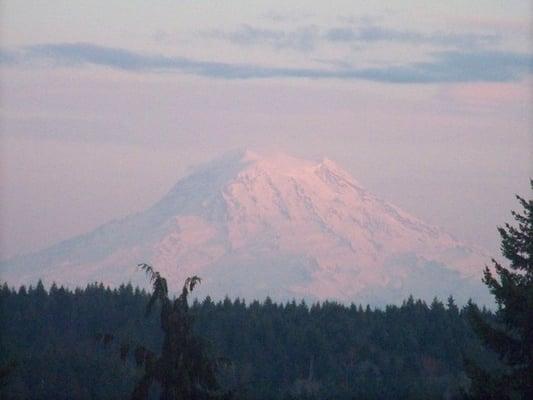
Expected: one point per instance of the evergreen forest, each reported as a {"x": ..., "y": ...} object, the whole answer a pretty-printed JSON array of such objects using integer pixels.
[{"x": 49, "y": 347}]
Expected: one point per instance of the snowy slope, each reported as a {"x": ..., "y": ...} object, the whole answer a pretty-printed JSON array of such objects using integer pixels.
[{"x": 254, "y": 225}]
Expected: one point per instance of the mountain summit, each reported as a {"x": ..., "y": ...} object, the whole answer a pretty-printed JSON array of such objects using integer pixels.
[{"x": 254, "y": 225}]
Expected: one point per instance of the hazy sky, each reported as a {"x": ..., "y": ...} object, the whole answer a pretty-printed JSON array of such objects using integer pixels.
[{"x": 105, "y": 104}]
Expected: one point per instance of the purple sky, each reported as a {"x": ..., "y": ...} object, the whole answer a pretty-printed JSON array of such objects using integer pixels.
[{"x": 103, "y": 106}]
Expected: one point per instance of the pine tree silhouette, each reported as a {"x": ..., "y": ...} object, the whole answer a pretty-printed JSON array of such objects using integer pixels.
[
  {"x": 183, "y": 370},
  {"x": 511, "y": 336}
]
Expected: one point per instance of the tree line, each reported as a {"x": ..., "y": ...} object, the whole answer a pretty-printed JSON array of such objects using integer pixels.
[{"x": 274, "y": 351}]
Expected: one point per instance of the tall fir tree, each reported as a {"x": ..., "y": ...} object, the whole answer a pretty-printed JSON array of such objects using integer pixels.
[{"x": 511, "y": 334}]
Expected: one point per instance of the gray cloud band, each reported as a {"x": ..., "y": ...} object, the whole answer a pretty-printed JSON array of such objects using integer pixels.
[
  {"x": 307, "y": 37},
  {"x": 446, "y": 66}
]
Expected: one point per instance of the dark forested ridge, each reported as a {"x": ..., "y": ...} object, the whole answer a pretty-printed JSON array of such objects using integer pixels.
[{"x": 277, "y": 351}]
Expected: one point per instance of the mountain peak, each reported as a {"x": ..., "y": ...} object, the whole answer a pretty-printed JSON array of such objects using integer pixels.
[
  {"x": 276, "y": 161},
  {"x": 255, "y": 224}
]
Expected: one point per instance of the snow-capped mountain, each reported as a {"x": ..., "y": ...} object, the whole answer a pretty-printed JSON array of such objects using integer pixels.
[{"x": 253, "y": 226}]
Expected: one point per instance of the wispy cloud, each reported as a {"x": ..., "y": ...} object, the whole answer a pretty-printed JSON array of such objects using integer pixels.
[
  {"x": 445, "y": 66},
  {"x": 457, "y": 66},
  {"x": 8, "y": 57},
  {"x": 307, "y": 37},
  {"x": 302, "y": 39},
  {"x": 374, "y": 33}
]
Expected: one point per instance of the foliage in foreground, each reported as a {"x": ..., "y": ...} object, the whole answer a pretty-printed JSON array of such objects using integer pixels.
[
  {"x": 183, "y": 370},
  {"x": 277, "y": 351},
  {"x": 510, "y": 335}
]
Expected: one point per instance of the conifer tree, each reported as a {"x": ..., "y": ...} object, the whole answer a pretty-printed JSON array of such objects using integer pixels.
[
  {"x": 510, "y": 336},
  {"x": 183, "y": 370}
]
